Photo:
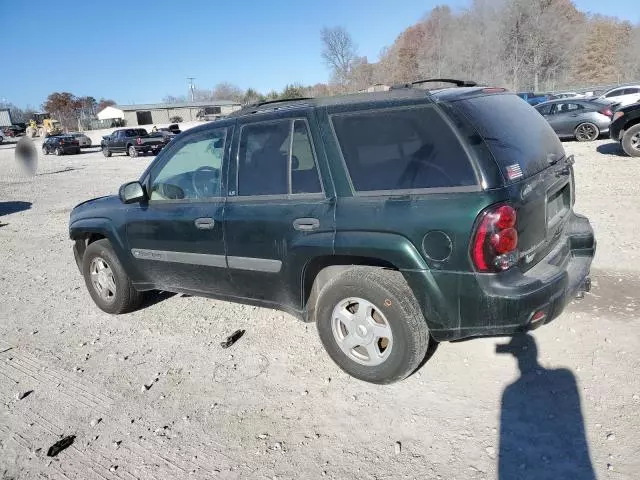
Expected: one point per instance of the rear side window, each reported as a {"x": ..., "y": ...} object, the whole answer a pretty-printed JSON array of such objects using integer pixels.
[
  {"x": 402, "y": 149},
  {"x": 519, "y": 138}
]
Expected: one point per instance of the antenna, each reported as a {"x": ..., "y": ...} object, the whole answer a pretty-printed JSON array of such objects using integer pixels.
[{"x": 191, "y": 86}]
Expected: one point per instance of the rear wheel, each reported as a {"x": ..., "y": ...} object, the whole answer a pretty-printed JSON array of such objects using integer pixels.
[
  {"x": 132, "y": 151},
  {"x": 108, "y": 284},
  {"x": 631, "y": 141},
  {"x": 106, "y": 152},
  {"x": 371, "y": 324},
  {"x": 586, "y": 132},
  {"x": 58, "y": 151}
]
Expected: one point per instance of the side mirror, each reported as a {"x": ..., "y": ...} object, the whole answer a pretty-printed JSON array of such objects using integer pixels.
[{"x": 132, "y": 192}]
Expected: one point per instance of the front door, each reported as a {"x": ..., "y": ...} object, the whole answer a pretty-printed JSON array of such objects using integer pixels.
[
  {"x": 277, "y": 214},
  {"x": 177, "y": 237}
]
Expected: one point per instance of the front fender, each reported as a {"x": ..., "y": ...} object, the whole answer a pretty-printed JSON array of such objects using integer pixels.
[{"x": 84, "y": 228}]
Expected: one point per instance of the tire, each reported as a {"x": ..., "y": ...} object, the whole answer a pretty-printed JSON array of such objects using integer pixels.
[
  {"x": 631, "y": 141},
  {"x": 586, "y": 132},
  {"x": 45, "y": 150},
  {"x": 387, "y": 295},
  {"x": 125, "y": 298},
  {"x": 106, "y": 152},
  {"x": 131, "y": 150},
  {"x": 58, "y": 151}
]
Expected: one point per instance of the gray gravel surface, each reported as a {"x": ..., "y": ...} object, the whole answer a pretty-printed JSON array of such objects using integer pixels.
[{"x": 152, "y": 395}]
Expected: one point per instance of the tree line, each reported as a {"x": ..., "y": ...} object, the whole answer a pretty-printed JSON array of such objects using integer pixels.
[{"x": 539, "y": 45}]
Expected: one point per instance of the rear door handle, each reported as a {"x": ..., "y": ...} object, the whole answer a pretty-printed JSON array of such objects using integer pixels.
[
  {"x": 204, "y": 223},
  {"x": 306, "y": 224}
]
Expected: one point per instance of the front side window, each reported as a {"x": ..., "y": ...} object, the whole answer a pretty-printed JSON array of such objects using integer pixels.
[
  {"x": 402, "y": 149},
  {"x": 193, "y": 170}
]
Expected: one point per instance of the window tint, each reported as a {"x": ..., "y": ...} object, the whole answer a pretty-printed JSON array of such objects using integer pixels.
[
  {"x": 513, "y": 131},
  {"x": 398, "y": 149},
  {"x": 568, "y": 107},
  {"x": 614, "y": 93},
  {"x": 631, "y": 91},
  {"x": 193, "y": 170},
  {"x": 304, "y": 174},
  {"x": 263, "y": 158},
  {"x": 544, "y": 109}
]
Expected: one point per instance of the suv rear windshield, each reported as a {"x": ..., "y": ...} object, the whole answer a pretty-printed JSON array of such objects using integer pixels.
[
  {"x": 514, "y": 131},
  {"x": 402, "y": 149}
]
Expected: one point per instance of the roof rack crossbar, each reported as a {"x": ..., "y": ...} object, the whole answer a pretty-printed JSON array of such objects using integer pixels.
[{"x": 456, "y": 82}]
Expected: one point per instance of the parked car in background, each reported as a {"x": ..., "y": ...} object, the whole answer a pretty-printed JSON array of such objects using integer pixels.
[
  {"x": 15, "y": 130},
  {"x": 533, "y": 98},
  {"x": 82, "y": 139},
  {"x": 173, "y": 128},
  {"x": 131, "y": 141},
  {"x": 60, "y": 145},
  {"x": 1, "y": 138},
  {"x": 426, "y": 215},
  {"x": 625, "y": 128},
  {"x": 164, "y": 134},
  {"x": 622, "y": 95},
  {"x": 576, "y": 118},
  {"x": 558, "y": 96}
]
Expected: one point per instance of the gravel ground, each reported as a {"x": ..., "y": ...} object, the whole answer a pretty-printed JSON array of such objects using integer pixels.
[{"x": 151, "y": 395}]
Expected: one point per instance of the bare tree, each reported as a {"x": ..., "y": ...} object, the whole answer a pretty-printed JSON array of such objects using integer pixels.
[{"x": 339, "y": 52}]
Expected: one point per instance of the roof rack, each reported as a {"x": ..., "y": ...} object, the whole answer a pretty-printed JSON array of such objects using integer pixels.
[
  {"x": 280, "y": 100},
  {"x": 457, "y": 83}
]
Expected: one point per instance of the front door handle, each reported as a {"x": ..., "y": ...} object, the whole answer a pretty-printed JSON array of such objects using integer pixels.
[
  {"x": 204, "y": 223},
  {"x": 306, "y": 224}
]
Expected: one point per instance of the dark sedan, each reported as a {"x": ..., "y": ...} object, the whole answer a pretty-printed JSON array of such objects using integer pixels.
[
  {"x": 584, "y": 120},
  {"x": 60, "y": 145}
]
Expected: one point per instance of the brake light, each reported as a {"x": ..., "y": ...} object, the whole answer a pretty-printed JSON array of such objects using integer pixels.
[
  {"x": 607, "y": 111},
  {"x": 495, "y": 241},
  {"x": 61, "y": 142},
  {"x": 617, "y": 115},
  {"x": 139, "y": 141}
]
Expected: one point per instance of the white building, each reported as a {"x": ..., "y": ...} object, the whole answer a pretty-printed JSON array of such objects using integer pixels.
[{"x": 109, "y": 113}]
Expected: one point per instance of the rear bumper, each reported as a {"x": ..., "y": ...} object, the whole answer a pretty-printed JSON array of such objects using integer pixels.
[{"x": 472, "y": 305}]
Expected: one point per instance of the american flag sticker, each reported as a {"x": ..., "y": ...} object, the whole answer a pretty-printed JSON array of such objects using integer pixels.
[{"x": 514, "y": 171}]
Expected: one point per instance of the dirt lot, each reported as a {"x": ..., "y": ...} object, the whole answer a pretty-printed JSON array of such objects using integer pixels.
[{"x": 274, "y": 405}]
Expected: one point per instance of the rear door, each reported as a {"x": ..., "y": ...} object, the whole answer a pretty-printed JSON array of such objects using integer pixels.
[
  {"x": 278, "y": 213},
  {"x": 538, "y": 178}
]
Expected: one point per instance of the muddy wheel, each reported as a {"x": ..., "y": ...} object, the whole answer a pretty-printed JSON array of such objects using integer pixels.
[
  {"x": 371, "y": 324},
  {"x": 109, "y": 285}
]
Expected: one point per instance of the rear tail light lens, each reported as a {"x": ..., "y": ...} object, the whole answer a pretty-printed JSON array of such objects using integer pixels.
[
  {"x": 607, "y": 111},
  {"x": 495, "y": 241},
  {"x": 617, "y": 115},
  {"x": 139, "y": 141}
]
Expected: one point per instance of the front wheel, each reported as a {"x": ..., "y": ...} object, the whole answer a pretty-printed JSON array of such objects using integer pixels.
[
  {"x": 132, "y": 151},
  {"x": 109, "y": 285},
  {"x": 587, "y": 132},
  {"x": 631, "y": 141},
  {"x": 371, "y": 325},
  {"x": 106, "y": 152},
  {"x": 45, "y": 150}
]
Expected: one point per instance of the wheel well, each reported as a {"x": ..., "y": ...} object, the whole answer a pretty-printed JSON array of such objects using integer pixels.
[
  {"x": 322, "y": 269},
  {"x": 630, "y": 123},
  {"x": 92, "y": 237}
]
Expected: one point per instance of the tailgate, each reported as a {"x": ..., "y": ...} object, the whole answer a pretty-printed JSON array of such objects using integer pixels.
[{"x": 537, "y": 176}]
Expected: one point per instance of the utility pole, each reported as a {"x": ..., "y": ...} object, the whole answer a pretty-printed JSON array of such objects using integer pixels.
[{"x": 191, "y": 86}]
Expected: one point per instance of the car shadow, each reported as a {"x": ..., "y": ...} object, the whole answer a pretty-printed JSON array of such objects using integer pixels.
[
  {"x": 542, "y": 432},
  {"x": 7, "y": 208},
  {"x": 64, "y": 170},
  {"x": 155, "y": 296},
  {"x": 612, "y": 148}
]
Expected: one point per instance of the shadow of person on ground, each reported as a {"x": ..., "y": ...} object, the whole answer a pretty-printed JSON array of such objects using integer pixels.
[
  {"x": 542, "y": 433},
  {"x": 7, "y": 208},
  {"x": 613, "y": 148}
]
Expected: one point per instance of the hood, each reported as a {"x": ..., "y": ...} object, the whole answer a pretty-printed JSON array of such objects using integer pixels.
[{"x": 102, "y": 207}]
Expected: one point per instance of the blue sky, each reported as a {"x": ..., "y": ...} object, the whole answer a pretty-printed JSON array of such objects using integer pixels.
[{"x": 138, "y": 52}]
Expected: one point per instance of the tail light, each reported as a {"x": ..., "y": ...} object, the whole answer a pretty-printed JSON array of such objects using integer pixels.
[
  {"x": 61, "y": 142},
  {"x": 495, "y": 241},
  {"x": 139, "y": 141},
  {"x": 606, "y": 111},
  {"x": 617, "y": 115}
]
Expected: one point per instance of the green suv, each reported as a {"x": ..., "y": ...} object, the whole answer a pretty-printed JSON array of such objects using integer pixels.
[{"x": 390, "y": 219}]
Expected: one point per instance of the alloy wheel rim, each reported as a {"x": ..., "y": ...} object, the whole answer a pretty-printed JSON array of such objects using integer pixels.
[
  {"x": 102, "y": 279},
  {"x": 635, "y": 141},
  {"x": 361, "y": 331},
  {"x": 586, "y": 132}
]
